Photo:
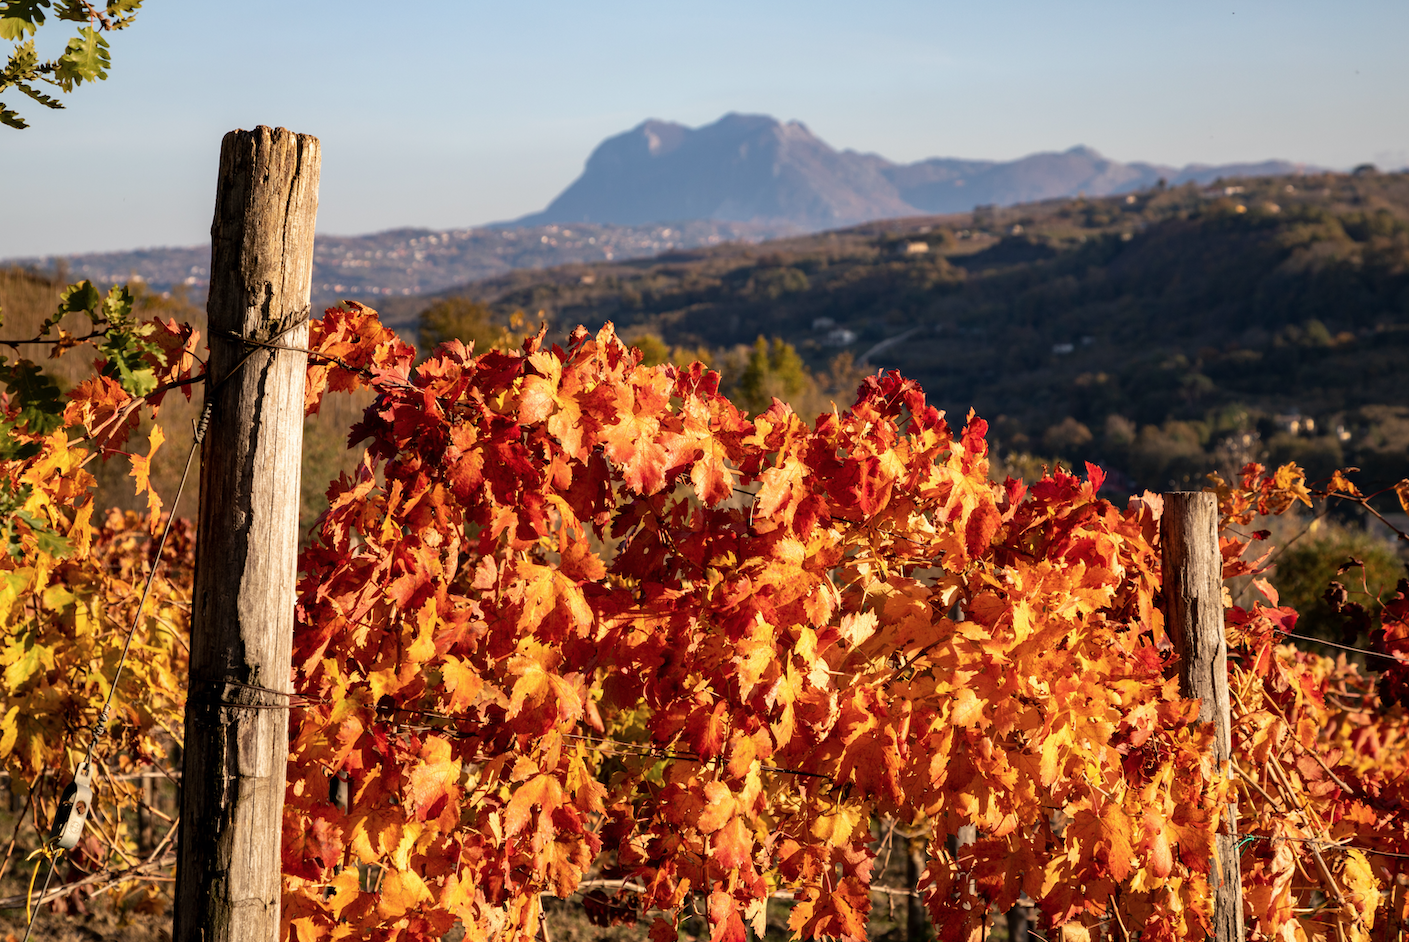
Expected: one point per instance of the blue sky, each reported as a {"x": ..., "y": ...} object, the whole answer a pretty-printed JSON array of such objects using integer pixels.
[{"x": 450, "y": 113}]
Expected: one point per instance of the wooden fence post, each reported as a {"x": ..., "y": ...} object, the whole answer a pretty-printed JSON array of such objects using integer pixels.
[
  {"x": 1192, "y": 570},
  {"x": 236, "y": 749}
]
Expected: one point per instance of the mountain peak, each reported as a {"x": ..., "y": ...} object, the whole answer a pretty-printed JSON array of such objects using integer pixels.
[
  {"x": 754, "y": 168},
  {"x": 740, "y": 168}
]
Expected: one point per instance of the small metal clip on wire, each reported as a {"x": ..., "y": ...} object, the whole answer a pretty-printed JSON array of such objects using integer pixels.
[
  {"x": 73, "y": 810},
  {"x": 64, "y": 834}
]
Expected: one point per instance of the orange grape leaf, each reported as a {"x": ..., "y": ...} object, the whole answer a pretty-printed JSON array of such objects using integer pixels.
[
  {"x": 663, "y": 930},
  {"x": 707, "y": 729},
  {"x": 462, "y": 682},
  {"x": 1115, "y": 826},
  {"x": 545, "y": 791},
  {"x": 840, "y": 914},
  {"x": 141, "y": 471},
  {"x": 578, "y": 562},
  {"x": 710, "y": 475},
  {"x": 106, "y": 410},
  {"x": 724, "y": 914},
  {"x": 311, "y": 850},
  {"x": 719, "y": 808},
  {"x": 732, "y": 845},
  {"x": 434, "y": 781},
  {"x": 1341, "y": 484}
]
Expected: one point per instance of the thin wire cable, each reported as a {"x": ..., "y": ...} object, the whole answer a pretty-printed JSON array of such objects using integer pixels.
[
  {"x": 1331, "y": 845},
  {"x": 34, "y": 911},
  {"x": 1343, "y": 647},
  {"x": 103, "y": 714}
]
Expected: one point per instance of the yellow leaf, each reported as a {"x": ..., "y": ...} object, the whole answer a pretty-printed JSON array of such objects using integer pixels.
[
  {"x": 9, "y": 731},
  {"x": 462, "y": 682},
  {"x": 1052, "y": 754},
  {"x": 401, "y": 853},
  {"x": 423, "y": 648},
  {"x": 1362, "y": 891},
  {"x": 838, "y": 826},
  {"x": 858, "y": 626},
  {"x": 966, "y": 709},
  {"x": 402, "y": 891}
]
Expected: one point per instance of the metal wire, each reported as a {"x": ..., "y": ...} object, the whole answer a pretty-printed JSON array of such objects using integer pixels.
[
  {"x": 102, "y": 723},
  {"x": 34, "y": 911},
  {"x": 1343, "y": 647}
]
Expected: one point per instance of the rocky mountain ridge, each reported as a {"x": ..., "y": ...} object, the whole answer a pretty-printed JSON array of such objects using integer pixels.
[{"x": 754, "y": 168}]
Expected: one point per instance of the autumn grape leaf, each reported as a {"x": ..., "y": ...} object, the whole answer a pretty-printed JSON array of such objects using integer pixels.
[
  {"x": 309, "y": 852},
  {"x": 542, "y": 791},
  {"x": 434, "y": 781},
  {"x": 728, "y": 925}
]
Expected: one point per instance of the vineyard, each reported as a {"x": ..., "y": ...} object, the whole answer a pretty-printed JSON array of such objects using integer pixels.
[{"x": 574, "y": 624}]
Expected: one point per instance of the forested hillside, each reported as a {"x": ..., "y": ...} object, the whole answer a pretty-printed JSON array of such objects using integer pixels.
[{"x": 1164, "y": 334}]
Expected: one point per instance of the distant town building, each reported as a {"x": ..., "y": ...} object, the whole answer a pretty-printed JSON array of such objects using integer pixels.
[{"x": 1295, "y": 423}]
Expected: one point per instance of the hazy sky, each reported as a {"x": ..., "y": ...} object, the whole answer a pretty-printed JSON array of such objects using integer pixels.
[{"x": 448, "y": 113}]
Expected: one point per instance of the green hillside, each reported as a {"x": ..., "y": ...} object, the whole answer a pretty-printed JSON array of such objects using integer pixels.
[{"x": 1163, "y": 334}]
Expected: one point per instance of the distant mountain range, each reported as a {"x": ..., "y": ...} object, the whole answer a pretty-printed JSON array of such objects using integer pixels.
[
  {"x": 754, "y": 168},
  {"x": 402, "y": 262},
  {"x": 662, "y": 186}
]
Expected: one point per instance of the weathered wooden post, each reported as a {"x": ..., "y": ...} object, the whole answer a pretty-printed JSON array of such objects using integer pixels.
[
  {"x": 236, "y": 749},
  {"x": 1192, "y": 569}
]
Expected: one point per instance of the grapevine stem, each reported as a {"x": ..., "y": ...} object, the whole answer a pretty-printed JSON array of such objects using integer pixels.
[
  {"x": 1311, "y": 752},
  {"x": 1115, "y": 911},
  {"x": 1277, "y": 773}
]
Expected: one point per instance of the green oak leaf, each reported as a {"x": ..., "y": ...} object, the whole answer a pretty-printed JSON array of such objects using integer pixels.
[
  {"x": 84, "y": 60},
  {"x": 22, "y": 64},
  {"x": 48, "y": 101},
  {"x": 19, "y": 18},
  {"x": 117, "y": 306},
  {"x": 80, "y": 297}
]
